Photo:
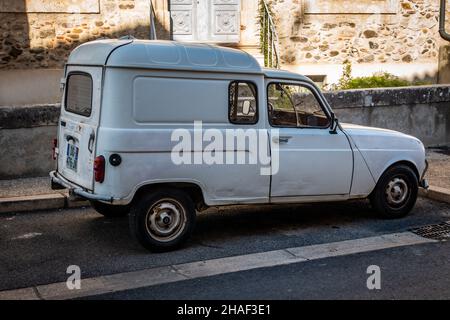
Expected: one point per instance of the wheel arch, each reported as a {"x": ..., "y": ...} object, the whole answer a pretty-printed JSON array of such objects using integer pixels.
[
  {"x": 407, "y": 163},
  {"x": 380, "y": 203},
  {"x": 193, "y": 190}
]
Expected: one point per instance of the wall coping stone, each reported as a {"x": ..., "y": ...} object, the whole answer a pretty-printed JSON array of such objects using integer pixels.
[
  {"x": 383, "y": 97},
  {"x": 14, "y": 117}
]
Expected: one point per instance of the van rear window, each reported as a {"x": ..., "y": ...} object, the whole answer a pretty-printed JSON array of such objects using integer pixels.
[{"x": 79, "y": 94}]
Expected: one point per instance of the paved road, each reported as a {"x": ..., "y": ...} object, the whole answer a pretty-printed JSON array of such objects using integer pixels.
[
  {"x": 36, "y": 248},
  {"x": 415, "y": 272}
]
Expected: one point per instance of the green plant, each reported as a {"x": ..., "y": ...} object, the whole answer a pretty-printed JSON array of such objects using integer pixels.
[
  {"x": 377, "y": 80},
  {"x": 265, "y": 34},
  {"x": 346, "y": 75}
]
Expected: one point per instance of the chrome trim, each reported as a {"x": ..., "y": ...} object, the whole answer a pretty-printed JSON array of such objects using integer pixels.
[{"x": 77, "y": 190}]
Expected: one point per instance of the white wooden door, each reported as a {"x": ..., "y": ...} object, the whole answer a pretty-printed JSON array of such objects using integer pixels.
[
  {"x": 78, "y": 125},
  {"x": 206, "y": 20}
]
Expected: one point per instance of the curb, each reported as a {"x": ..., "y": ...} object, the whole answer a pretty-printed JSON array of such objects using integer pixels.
[
  {"x": 61, "y": 201},
  {"x": 436, "y": 193},
  {"x": 39, "y": 202}
]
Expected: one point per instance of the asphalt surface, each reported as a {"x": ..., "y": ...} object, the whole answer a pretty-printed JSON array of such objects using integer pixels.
[
  {"x": 36, "y": 248},
  {"x": 416, "y": 272}
]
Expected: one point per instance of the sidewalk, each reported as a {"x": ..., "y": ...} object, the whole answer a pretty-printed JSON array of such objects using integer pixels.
[
  {"x": 438, "y": 175},
  {"x": 31, "y": 194},
  {"x": 439, "y": 171}
]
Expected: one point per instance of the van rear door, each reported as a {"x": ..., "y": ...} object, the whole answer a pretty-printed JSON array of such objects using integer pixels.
[{"x": 80, "y": 114}]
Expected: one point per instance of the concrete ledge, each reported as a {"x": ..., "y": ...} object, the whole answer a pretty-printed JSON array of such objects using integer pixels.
[
  {"x": 423, "y": 112},
  {"x": 384, "y": 97},
  {"x": 12, "y": 117},
  {"x": 436, "y": 193},
  {"x": 38, "y": 202}
]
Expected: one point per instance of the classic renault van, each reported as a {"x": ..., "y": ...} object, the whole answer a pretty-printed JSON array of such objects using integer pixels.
[{"x": 138, "y": 119}]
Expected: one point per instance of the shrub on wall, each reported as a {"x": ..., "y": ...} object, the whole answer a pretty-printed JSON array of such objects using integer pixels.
[{"x": 377, "y": 80}]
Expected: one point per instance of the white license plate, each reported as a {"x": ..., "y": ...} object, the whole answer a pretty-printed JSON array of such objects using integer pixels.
[{"x": 72, "y": 157}]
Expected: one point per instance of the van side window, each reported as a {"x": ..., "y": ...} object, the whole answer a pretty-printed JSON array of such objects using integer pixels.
[
  {"x": 243, "y": 105},
  {"x": 294, "y": 105},
  {"x": 79, "y": 94}
]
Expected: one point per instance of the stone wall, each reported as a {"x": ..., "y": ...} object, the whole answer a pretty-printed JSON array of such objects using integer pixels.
[
  {"x": 26, "y": 133},
  {"x": 316, "y": 36},
  {"x": 41, "y": 34},
  {"x": 363, "y": 31},
  {"x": 423, "y": 112}
]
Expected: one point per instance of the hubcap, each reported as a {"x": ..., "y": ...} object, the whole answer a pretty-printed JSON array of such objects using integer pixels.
[
  {"x": 165, "y": 220},
  {"x": 397, "y": 191}
]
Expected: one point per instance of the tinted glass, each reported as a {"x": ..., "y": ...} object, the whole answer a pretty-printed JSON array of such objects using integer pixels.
[
  {"x": 243, "y": 107},
  {"x": 79, "y": 94},
  {"x": 293, "y": 105}
]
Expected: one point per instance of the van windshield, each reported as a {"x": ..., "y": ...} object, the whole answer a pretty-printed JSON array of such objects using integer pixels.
[{"x": 79, "y": 94}]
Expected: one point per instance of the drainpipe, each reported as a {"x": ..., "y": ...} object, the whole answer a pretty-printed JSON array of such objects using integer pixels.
[
  {"x": 152, "y": 22},
  {"x": 442, "y": 31}
]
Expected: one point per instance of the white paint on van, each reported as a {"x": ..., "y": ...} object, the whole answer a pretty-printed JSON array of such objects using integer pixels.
[{"x": 144, "y": 90}]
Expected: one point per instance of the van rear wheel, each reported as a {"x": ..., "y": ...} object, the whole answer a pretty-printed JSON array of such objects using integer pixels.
[
  {"x": 162, "y": 220},
  {"x": 110, "y": 211},
  {"x": 396, "y": 192}
]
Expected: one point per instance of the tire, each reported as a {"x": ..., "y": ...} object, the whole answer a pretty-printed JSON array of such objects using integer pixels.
[
  {"x": 163, "y": 220},
  {"x": 396, "y": 192},
  {"x": 110, "y": 211}
]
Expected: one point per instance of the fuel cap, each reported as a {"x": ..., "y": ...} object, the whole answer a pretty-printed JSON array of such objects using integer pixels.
[{"x": 115, "y": 160}]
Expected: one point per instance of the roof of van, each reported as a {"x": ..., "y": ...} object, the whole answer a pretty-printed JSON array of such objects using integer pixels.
[
  {"x": 155, "y": 54},
  {"x": 284, "y": 74},
  {"x": 158, "y": 54}
]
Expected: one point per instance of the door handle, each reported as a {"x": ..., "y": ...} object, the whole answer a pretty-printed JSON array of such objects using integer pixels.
[
  {"x": 91, "y": 142},
  {"x": 281, "y": 140},
  {"x": 284, "y": 139},
  {"x": 69, "y": 137}
]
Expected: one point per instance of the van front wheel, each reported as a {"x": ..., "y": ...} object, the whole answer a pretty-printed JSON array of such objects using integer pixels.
[
  {"x": 110, "y": 211},
  {"x": 396, "y": 192},
  {"x": 162, "y": 220}
]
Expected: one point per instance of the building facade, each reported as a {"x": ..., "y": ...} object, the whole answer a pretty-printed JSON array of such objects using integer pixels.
[{"x": 315, "y": 36}]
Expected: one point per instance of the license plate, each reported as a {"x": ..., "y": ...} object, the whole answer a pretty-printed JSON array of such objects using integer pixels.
[{"x": 72, "y": 157}]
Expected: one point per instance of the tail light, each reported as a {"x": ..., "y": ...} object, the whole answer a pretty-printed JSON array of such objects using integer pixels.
[
  {"x": 99, "y": 169},
  {"x": 54, "y": 149}
]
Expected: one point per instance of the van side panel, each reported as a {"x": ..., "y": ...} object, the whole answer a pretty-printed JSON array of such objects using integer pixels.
[
  {"x": 141, "y": 109},
  {"x": 175, "y": 101}
]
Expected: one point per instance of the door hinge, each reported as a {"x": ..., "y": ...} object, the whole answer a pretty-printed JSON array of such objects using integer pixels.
[{"x": 62, "y": 83}]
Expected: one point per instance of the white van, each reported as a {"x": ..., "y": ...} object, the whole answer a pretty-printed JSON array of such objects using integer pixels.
[{"x": 131, "y": 109}]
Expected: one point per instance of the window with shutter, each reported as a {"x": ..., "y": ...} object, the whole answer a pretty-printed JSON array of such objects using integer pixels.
[{"x": 206, "y": 20}]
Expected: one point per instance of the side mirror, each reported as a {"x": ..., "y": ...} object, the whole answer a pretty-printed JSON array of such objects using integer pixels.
[
  {"x": 334, "y": 124},
  {"x": 246, "y": 108}
]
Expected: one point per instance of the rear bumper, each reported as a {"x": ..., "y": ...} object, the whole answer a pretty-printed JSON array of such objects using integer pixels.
[{"x": 58, "y": 181}]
